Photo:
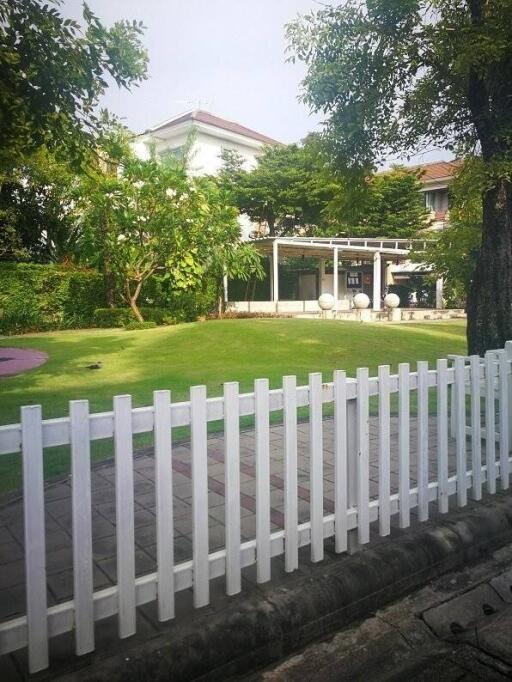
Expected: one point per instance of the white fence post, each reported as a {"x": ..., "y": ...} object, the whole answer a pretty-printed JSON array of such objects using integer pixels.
[
  {"x": 291, "y": 520},
  {"x": 232, "y": 486},
  {"x": 404, "y": 443},
  {"x": 490, "y": 428},
  {"x": 200, "y": 547},
  {"x": 363, "y": 477},
  {"x": 384, "y": 452},
  {"x": 503, "y": 390},
  {"x": 352, "y": 470},
  {"x": 261, "y": 408},
  {"x": 125, "y": 520},
  {"x": 340, "y": 461},
  {"x": 442, "y": 435},
  {"x": 164, "y": 504},
  {"x": 82, "y": 526},
  {"x": 476, "y": 426},
  {"x": 35, "y": 546},
  {"x": 316, "y": 474},
  {"x": 422, "y": 454},
  {"x": 508, "y": 351},
  {"x": 460, "y": 430}
]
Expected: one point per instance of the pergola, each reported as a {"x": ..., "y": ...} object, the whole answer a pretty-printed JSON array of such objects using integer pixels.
[{"x": 379, "y": 251}]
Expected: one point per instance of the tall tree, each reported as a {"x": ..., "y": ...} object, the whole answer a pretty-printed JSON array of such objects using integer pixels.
[
  {"x": 386, "y": 204},
  {"x": 153, "y": 218},
  {"x": 53, "y": 72},
  {"x": 35, "y": 210},
  {"x": 400, "y": 76},
  {"x": 288, "y": 189}
]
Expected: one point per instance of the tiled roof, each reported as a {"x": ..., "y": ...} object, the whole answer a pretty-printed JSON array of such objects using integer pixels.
[
  {"x": 438, "y": 169},
  {"x": 218, "y": 122}
]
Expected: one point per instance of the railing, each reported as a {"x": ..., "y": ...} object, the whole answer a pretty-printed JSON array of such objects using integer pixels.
[{"x": 352, "y": 401}]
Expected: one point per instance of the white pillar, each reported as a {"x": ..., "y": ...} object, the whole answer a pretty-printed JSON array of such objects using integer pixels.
[
  {"x": 335, "y": 279},
  {"x": 439, "y": 293},
  {"x": 377, "y": 277},
  {"x": 275, "y": 269}
]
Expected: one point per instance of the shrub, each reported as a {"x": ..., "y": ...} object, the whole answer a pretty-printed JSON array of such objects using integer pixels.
[
  {"x": 45, "y": 297},
  {"x": 120, "y": 317},
  {"x": 135, "y": 325}
]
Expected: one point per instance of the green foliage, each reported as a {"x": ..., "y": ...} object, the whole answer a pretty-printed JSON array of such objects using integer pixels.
[
  {"x": 408, "y": 75},
  {"x": 295, "y": 190},
  {"x": 54, "y": 73},
  {"x": 136, "y": 326},
  {"x": 399, "y": 76},
  {"x": 386, "y": 204},
  {"x": 153, "y": 219},
  {"x": 35, "y": 215},
  {"x": 288, "y": 190},
  {"x": 44, "y": 297},
  {"x": 120, "y": 317},
  {"x": 453, "y": 252}
]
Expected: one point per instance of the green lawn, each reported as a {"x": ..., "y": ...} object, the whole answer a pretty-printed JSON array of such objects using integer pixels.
[{"x": 210, "y": 353}]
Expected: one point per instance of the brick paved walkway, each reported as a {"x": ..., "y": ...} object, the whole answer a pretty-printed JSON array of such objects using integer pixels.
[{"x": 58, "y": 508}]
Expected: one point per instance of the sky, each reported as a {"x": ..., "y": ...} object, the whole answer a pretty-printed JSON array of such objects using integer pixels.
[{"x": 225, "y": 56}]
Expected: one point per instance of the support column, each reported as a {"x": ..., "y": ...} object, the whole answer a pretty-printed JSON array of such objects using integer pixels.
[
  {"x": 439, "y": 293},
  {"x": 275, "y": 278},
  {"x": 377, "y": 280},
  {"x": 335, "y": 279}
]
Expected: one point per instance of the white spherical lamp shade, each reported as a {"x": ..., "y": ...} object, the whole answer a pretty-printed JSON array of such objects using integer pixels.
[
  {"x": 391, "y": 301},
  {"x": 361, "y": 301},
  {"x": 326, "y": 302}
]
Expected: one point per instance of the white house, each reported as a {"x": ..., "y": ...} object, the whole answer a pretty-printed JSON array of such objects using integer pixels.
[
  {"x": 204, "y": 136},
  {"x": 208, "y": 135}
]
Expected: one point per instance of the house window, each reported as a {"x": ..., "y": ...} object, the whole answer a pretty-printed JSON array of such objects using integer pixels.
[
  {"x": 437, "y": 200},
  {"x": 173, "y": 152}
]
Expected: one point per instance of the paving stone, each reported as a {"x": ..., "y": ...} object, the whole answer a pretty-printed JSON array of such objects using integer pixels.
[{"x": 10, "y": 551}]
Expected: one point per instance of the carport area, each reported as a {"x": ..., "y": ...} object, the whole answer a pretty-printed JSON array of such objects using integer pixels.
[{"x": 342, "y": 267}]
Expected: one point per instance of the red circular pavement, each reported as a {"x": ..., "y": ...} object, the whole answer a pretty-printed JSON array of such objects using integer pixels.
[{"x": 18, "y": 360}]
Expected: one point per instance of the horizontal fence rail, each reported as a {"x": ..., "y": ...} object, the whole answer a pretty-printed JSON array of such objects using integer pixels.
[{"x": 473, "y": 406}]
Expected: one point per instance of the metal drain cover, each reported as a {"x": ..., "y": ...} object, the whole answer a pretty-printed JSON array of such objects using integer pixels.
[{"x": 460, "y": 617}]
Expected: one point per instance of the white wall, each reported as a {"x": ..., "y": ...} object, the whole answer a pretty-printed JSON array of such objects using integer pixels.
[{"x": 205, "y": 152}]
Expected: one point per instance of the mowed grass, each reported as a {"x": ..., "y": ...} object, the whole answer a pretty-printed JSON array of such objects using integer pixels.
[{"x": 209, "y": 353}]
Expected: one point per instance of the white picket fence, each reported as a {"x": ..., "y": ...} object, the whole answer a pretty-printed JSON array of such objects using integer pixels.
[{"x": 487, "y": 381}]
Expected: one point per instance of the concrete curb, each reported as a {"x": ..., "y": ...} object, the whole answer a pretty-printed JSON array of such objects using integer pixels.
[{"x": 254, "y": 630}]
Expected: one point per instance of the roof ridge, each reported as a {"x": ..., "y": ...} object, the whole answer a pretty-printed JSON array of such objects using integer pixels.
[{"x": 206, "y": 117}]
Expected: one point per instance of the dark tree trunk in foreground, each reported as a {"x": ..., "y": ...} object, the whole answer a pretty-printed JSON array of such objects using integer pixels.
[{"x": 490, "y": 297}]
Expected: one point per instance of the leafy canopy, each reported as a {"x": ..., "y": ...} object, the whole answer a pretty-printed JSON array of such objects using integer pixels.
[
  {"x": 388, "y": 204},
  {"x": 401, "y": 75},
  {"x": 288, "y": 189},
  {"x": 53, "y": 73},
  {"x": 152, "y": 220}
]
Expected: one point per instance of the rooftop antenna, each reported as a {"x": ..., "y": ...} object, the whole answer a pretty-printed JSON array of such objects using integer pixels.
[{"x": 194, "y": 103}]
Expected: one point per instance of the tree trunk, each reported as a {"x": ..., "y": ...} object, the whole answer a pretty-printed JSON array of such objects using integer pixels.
[
  {"x": 108, "y": 278},
  {"x": 490, "y": 297},
  {"x": 132, "y": 300}
]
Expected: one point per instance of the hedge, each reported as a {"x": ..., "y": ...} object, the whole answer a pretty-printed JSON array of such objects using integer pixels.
[
  {"x": 37, "y": 297},
  {"x": 120, "y": 317},
  {"x": 46, "y": 297}
]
